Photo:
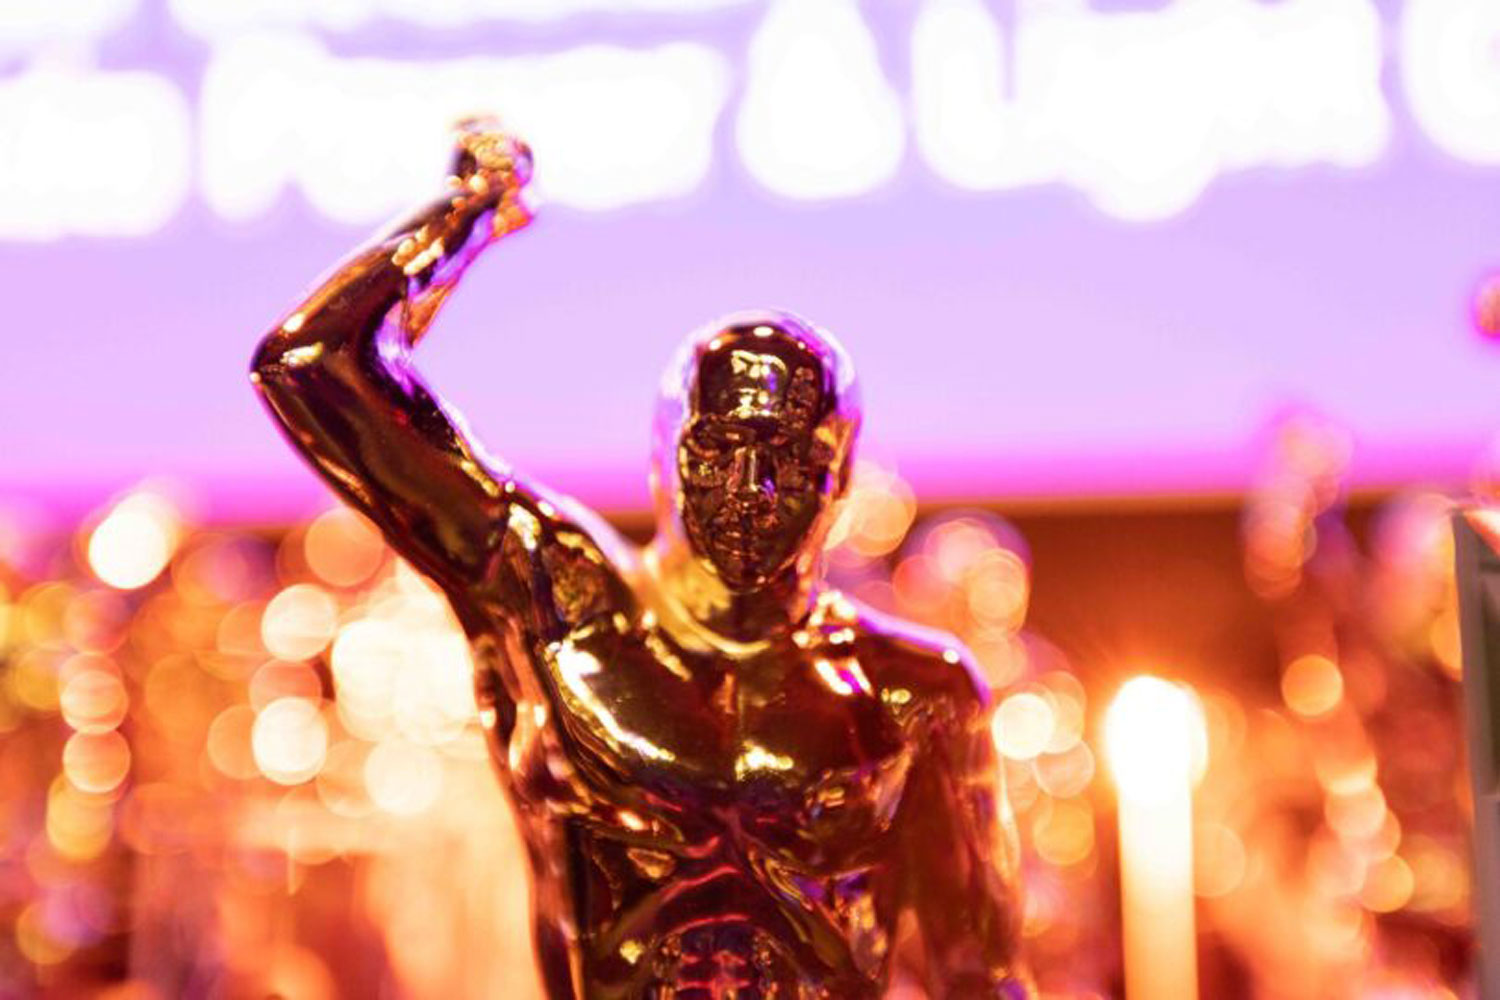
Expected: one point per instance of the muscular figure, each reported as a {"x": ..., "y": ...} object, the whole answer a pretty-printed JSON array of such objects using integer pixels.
[{"x": 732, "y": 781}]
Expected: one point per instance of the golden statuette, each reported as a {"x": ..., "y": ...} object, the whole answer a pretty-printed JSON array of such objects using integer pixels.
[{"x": 732, "y": 780}]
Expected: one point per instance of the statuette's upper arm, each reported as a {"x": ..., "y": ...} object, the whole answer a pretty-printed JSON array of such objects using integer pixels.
[{"x": 959, "y": 858}]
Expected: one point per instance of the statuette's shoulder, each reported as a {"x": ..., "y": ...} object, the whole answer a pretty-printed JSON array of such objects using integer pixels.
[
  {"x": 558, "y": 562},
  {"x": 914, "y": 668},
  {"x": 941, "y": 672}
]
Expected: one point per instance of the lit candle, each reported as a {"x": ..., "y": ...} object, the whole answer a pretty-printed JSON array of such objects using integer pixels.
[{"x": 1149, "y": 737}]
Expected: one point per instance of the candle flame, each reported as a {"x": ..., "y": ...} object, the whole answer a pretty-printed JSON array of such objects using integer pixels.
[{"x": 1153, "y": 732}]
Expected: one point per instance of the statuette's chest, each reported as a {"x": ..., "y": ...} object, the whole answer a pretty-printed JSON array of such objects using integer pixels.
[{"x": 798, "y": 747}]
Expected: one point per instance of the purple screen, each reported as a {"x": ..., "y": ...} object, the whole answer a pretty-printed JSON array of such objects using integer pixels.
[{"x": 1073, "y": 249}]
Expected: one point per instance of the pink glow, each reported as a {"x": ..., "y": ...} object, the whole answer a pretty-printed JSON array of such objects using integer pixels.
[{"x": 1017, "y": 345}]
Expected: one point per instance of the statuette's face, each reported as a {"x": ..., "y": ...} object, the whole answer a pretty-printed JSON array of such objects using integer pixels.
[{"x": 754, "y": 469}]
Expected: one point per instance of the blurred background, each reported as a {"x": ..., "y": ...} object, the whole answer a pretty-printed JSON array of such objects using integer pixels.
[{"x": 1175, "y": 322}]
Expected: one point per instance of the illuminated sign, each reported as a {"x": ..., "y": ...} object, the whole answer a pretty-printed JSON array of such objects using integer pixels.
[
  {"x": 279, "y": 110},
  {"x": 1142, "y": 110},
  {"x": 226, "y": 17},
  {"x": 88, "y": 152},
  {"x": 26, "y": 25},
  {"x": 1138, "y": 110},
  {"x": 818, "y": 119},
  {"x": 1450, "y": 63}
]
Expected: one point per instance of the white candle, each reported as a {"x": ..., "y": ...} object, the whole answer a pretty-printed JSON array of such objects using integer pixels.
[{"x": 1150, "y": 740}]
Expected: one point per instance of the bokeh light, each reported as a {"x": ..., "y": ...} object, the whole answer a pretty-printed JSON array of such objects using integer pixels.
[
  {"x": 96, "y": 762},
  {"x": 229, "y": 742},
  {"x": 1312, "y": 685},
  {"x": 403, "y": 778},
  {"x": 1388, "y": 885},
  {"x": 1064, "y": 833},
  {"x": 1024, "y": 725},
  {"x": 1487, "y": 307},
  {"x": 342, "y": 548},
  {"x": 289, "y": 740},
  {"x": 93, "y": 698},
  {"x": 133, "y": 543},
  {"x": 299, "y": 622},
  {"x": 79, "y": 825}
]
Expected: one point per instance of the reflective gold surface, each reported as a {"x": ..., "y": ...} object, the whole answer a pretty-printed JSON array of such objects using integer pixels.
[{"x": 732, "y": 780}]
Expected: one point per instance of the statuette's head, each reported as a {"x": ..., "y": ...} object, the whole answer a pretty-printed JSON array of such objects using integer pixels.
[{"x": 754, "y": 444}]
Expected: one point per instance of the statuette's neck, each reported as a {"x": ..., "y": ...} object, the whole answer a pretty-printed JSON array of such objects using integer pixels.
[{"x": 737, "y": 622}]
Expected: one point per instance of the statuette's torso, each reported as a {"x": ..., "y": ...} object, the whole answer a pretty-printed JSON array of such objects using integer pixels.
[{"x": 727, "y": 821}]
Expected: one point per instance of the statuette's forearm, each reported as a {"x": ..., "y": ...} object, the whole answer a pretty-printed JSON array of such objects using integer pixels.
[
  {"x": 434, "y": 247},
  {"x": 415, "y": 263},
  {"x": 490, "y": 169}
]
